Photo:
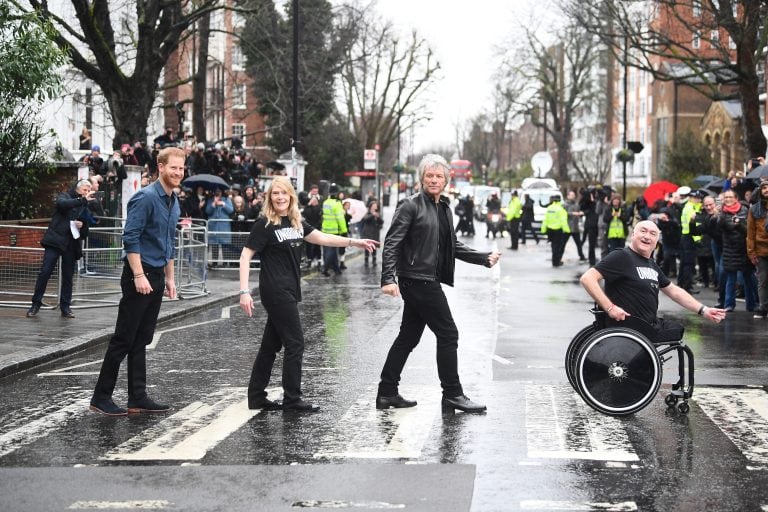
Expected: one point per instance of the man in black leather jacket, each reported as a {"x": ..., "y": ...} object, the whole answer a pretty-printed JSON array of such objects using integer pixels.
[{"x": 420, "y": 249}]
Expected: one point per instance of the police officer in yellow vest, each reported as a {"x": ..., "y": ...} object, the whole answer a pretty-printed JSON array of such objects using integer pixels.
[
  {"x": 514, "y": 212},
  {"x": 690, "y": 239},
  {"x": 555, "y": 226},
  {"x": 335, "y": 224},
  {"x": 615, "y": 219}
]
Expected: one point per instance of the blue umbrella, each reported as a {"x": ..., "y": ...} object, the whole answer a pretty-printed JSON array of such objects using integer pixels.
[{"x": 207, "y": 181}]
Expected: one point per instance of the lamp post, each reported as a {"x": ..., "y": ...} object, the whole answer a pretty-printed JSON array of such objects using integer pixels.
[
  {"x": 624, "y": 137},
  {"x": 295, "y": 134}
]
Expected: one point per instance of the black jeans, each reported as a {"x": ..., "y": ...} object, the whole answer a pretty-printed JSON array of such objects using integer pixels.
[
  {"x": 425, "y": 305},
  {"x": 134, "y": 329},
  {"x": 283, "y": 329},
  {"x": 514, "y": 233},
  {"x": 590, "y": 235},
  {"x": 50, "y": 257}
]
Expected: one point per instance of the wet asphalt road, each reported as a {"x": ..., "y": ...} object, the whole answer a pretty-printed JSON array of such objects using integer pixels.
[{"x": 538, "y": 447}]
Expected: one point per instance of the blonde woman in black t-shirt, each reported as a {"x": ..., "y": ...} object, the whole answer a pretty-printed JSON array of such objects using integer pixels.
[{"x": 277, "y": 236}]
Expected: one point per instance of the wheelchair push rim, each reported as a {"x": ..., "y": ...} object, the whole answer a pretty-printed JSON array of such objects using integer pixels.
[
  {"x": 573, "y": 351},
  {"x": 618, "y": 371}
]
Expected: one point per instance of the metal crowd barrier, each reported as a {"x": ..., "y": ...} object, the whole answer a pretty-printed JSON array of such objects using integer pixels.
[{"x": 226, "y": 245}]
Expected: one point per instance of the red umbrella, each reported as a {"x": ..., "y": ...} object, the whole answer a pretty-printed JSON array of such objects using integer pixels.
[{"x": 658, "y": 190}]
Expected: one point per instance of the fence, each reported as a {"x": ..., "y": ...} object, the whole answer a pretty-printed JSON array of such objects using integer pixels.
[
  {"x": 97, "y": 280},
  {"x": 227, "y": 242}
]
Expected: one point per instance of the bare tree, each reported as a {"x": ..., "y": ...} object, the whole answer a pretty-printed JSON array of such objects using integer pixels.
[
  {"x": 123, "y": 48},
  {"x": 553, "y": 78},
  {"x": 384, "y": 78},
  {"x": 717, "y": 43}
]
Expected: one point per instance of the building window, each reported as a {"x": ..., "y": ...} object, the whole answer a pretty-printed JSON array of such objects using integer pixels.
[
  {"x": 696, "y": 9},
  {"x": 696, "y": 41},
  {"x": 238, "y": 130},
  {"x": 714, "y": 37},
  {"x": 238, "y": 96},
  {"x": 731, "y": 43},
  {"x": 238, "y": 59}
]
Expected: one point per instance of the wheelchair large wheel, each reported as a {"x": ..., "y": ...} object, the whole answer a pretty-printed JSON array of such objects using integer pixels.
[
  {"x": 573, "y": 351},
  {"x": 618, "y": 371}
]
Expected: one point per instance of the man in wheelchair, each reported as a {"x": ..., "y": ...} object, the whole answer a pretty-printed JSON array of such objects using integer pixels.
[{"x": 632, "y": 283}]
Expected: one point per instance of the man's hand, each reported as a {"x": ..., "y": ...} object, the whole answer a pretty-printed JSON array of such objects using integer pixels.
[
  {"x": 617, "y": 313},
  {"x": 170, "y": 288},
  {"x": 391, "y": 289},
  {"x": 493, "y": 258},
  {"x": 714, "y": 315},
  {"x": 142, "y": 285}
]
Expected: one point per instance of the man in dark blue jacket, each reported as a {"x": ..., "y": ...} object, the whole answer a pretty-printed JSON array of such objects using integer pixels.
[
  {"x": 421, "y": 249},
  {"x": 63, "y": 238}
]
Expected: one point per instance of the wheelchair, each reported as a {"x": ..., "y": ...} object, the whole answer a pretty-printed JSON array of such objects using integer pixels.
[{"x": 617, "y": 369}]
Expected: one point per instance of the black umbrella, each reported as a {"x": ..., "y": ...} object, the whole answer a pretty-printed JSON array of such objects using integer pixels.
[
  {"x": 702, "y": 179},
  {"x": 758, "y": 173},
  {"x": 275, "y": 165},
  {"x": 715, "y": 186},
  {"x": 207, "y": 181}
]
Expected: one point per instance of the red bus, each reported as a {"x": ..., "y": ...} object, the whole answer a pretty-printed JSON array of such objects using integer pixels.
[{"x": 461, "y": 175}]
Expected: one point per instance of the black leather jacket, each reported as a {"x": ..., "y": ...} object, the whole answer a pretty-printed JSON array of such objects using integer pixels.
[{"x": 411, "y": 244}]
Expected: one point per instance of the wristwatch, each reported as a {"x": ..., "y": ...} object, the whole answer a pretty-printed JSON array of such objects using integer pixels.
[{"x": 245, "y": 292}]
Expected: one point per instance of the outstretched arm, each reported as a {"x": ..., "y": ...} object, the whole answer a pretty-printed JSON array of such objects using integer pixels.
[{"x": 687, "y": 301}]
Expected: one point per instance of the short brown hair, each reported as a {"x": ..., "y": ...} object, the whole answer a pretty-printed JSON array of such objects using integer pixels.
[{"x": 165, "y": 154}]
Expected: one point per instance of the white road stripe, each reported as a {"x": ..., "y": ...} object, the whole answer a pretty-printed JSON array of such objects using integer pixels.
[
  {"x": 625, "y": 506},
  {"x": 346, "y": 504},
  {"x": 66, "y": 374},
  {"x": 158, "y": 334},
  {"x": 367, "y": 433},
  {"x": 742, "y": 415},
  {"x": 37, "y": 422},
  {"x": 560, "y": 426},
  {"x": 192, "y": 432},
  {"x": 121, "y": 505}
]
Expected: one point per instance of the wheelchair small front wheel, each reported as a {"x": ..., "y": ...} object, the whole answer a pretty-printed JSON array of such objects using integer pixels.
[
  {"x": 618, "y": 371},
  {"x": 670, "y": 400}
]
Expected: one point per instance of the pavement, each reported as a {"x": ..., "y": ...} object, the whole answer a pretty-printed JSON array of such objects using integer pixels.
[{"x": 29, "y": 342}]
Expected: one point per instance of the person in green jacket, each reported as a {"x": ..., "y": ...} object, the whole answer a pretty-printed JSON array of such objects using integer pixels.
[
  {"x": 335, "y": 224},
  {"x": 555, "y": 226},
  {"x": 514, "y": 212}
]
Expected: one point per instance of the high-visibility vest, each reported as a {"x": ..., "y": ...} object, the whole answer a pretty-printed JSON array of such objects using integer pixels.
[
  {"x": 514, "y": 208},
  {"x": 556, "y": 218},
  {"x": 333, "y": 217},
  {"x": 616, "y": 228},
  {"x": 689, "y": 214}
]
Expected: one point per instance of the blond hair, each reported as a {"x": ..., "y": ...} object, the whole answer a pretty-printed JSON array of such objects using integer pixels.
[{"x": 294, "y": 215}]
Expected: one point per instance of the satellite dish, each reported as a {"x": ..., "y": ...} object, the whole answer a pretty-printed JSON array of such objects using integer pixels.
[{"x": 541, "y": 163}]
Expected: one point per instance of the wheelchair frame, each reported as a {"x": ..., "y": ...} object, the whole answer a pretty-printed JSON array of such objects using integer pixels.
[{"x": 617, "y": 370}]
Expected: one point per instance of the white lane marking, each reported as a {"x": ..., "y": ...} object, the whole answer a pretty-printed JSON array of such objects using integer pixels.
[
  {"x": 121, "y": 505},
  {"x": 495, "y": 357},
  {"x": 625, "y": 506},
  {"x": 367, "y": 433},
  {"x": 158, "y": 334},
  {"x": 37, "y": 422},
  {"x": 226, "y": 311},
  {"x": 560, "y": 426},
  {"x": 221, "y": 370},
  {"x": 346, "y": 504},
  {"x": 742, "y": 415},
  {"x": 193, "y": 431},
  {"x": 66, "y": 374}
]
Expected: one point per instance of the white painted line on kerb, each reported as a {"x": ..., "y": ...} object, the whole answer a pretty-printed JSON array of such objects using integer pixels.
[
  {"x": 158, "y": 334},
  {"x": 625, "y": 506},
  {"x": 191, "y": 432},
  {"x": 560, "y": 426},
  {"x": 37, "y": 422},
  {"x": 367, "y": 433},
  {"x": 742, "y": 415},
  {"x": 121, "y": 505},
  {"x": 65, "y": 372}
]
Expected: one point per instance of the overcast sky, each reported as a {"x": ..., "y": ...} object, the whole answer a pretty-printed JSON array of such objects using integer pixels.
[{"x": 463, "y": 34}]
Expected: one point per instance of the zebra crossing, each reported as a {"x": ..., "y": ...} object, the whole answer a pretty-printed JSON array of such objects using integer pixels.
[{"x": 558, "y": 426}]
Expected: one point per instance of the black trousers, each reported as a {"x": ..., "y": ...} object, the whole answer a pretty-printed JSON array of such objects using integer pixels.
[
  {"x": 687, "y": 263},
  {"x": 283, "y": 329},
  {"x": 50, "y": 257},
  {"x": 557, "y": 239},
  {"x": 514, "y": 233},
  {"x": 425, "y": 305},
  {"x": 134, "y": 329},
  {"x": 590, "y": 235}
]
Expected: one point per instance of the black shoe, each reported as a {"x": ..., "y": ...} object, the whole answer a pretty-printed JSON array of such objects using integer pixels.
[
  {"x": 719, "y": 305},
  {"x": 326, "y": 273},
  {"x": 729, "y": 309},
  {"x": 146, "y": 404},
  {"x": 107, "y": 407},
  {"x": 33, "y": 310},
  {"x": 265, "y": 404},
  {"x": 342, "y": 266},
  {"x": 67, "y": 314},
  {"x": 300, "y": 406},
  {"x": 397, "y": 402},
  {"x": 760, "y": 314},
  {"x": 462, "y": 403}
]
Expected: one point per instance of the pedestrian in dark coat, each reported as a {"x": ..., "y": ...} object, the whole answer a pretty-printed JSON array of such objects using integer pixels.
[
  {"x": 370, "y": 227},
  {"x": 63, "y": 239},
  {"x": 732, "y": 222}
]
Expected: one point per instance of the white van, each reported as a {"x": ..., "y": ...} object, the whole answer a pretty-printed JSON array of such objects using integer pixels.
[{"x": 540, "y": 190}]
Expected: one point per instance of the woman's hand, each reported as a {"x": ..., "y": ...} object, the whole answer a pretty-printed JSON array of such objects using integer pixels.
[{"x": 246, "y": 304}]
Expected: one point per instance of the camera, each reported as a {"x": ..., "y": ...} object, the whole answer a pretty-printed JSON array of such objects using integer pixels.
[{"x": 754, "y": 163}]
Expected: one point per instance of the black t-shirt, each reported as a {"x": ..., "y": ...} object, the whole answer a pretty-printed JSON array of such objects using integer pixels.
[
  {"x": 279, "y": 249},
  {"x": 633, "y": 282}
]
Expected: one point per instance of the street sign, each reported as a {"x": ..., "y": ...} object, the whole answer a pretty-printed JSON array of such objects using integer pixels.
[
  {"x": 369, "y": 159},
  {"x": 541, "y": 163}
]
